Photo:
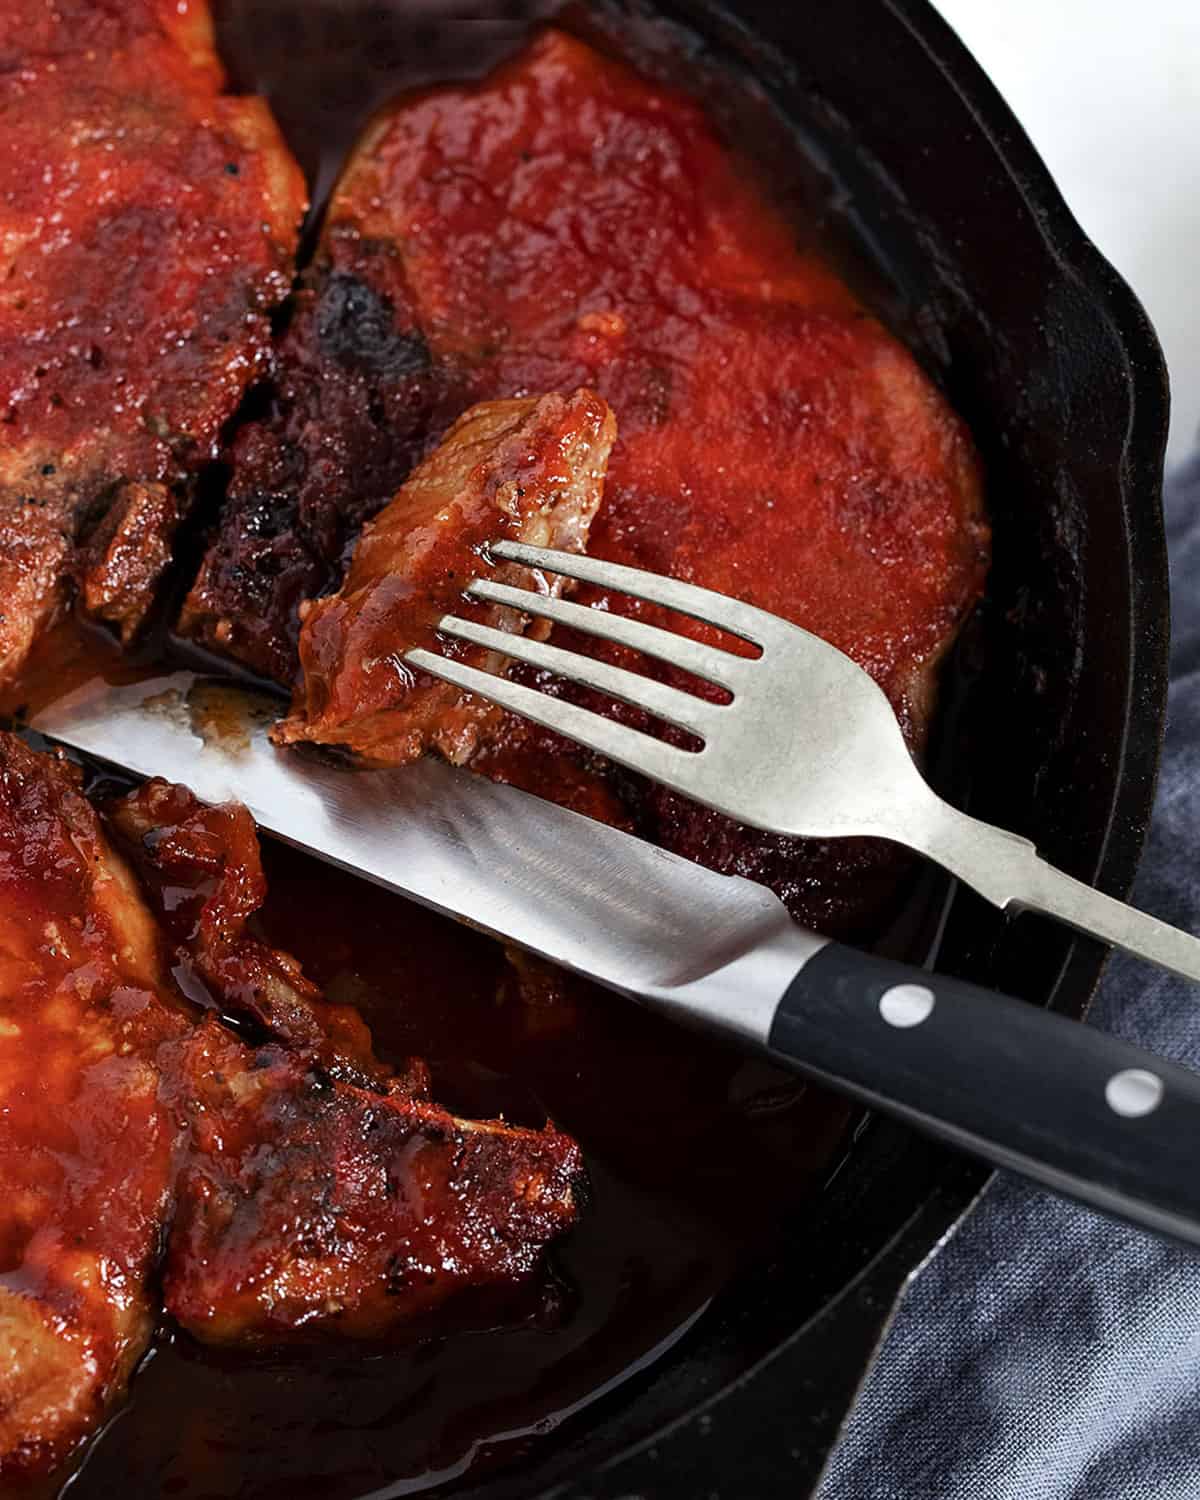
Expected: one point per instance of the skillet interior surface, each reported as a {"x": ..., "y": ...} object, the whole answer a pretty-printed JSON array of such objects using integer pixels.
[{"x": 929, "y": 193}]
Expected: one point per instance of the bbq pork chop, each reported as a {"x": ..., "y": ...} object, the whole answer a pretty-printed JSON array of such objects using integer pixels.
[
  {"x": 148, "y": 222},
  {"x": 568, "y": 223},
  {"x": 284, "y": 1181},
  {"x": 530, "y": 471}
]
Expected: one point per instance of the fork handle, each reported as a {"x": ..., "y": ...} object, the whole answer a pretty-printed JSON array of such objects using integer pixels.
[
  {"x": 1073, "y": 1108},
  {"x": 1010, "y": 873},
  {"x": 1056, "y": 894}
]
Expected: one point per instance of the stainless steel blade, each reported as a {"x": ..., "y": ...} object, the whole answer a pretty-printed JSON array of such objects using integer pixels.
[{"x": 715, "y": 948}]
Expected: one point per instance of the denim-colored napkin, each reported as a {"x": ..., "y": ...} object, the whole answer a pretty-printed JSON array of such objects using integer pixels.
[{"x": 1046, "y": 1353}]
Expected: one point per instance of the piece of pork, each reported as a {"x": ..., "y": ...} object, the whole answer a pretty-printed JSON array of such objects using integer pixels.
[
  {"x": 531, "y": 471},
  {"x": 311, "y": 1208},
  {"x": 202, "y": 873},
  {"x": 148, "y": 223}
]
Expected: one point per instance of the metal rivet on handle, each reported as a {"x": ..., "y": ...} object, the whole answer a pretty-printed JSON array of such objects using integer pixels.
[
  {"x": 906, "y": 1004},
  {"x": 1133, "y": 1092}
]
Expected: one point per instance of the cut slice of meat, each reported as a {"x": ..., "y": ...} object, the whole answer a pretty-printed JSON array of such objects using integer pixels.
[
  {"x": 86, "y": 1146},
  {"x": 148, "y": 223},
  {"x": 319, "y": 1193},
  {"x": 313, "y": 1208},
  {"x": 530, "y": 470}
]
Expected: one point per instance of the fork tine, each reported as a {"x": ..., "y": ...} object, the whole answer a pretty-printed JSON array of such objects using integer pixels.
[
  {"x": 708, "y": 662},
  {"x": 746, "y": 620},
  {"x": 683, "y": 709},
  {"x": 628, "y": 747}
]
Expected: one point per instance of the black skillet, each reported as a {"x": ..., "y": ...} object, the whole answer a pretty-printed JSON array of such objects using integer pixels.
[{"x": 973, "y": 257}]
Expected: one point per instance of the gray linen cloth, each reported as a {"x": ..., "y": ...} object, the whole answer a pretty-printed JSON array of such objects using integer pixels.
[{"x": 1047, "y": 1353}]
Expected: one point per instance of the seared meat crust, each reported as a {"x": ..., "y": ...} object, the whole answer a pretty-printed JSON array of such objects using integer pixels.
[
  {"x": 355, "y": 401},
  {"x": 147, "y": 227}
]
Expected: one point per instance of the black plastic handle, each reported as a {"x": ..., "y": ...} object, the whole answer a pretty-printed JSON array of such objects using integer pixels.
[{"x": 1080, "y": 1111}]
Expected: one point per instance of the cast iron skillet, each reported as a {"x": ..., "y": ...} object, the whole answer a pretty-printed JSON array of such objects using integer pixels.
[{"x": 1043, "y": 349}]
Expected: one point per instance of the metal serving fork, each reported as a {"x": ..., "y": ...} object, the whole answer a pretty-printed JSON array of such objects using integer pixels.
[{"x": 807, "y": 744}]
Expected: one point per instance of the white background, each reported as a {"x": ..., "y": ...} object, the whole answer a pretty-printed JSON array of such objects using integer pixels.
[{"x": 1109, "y": 93}]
